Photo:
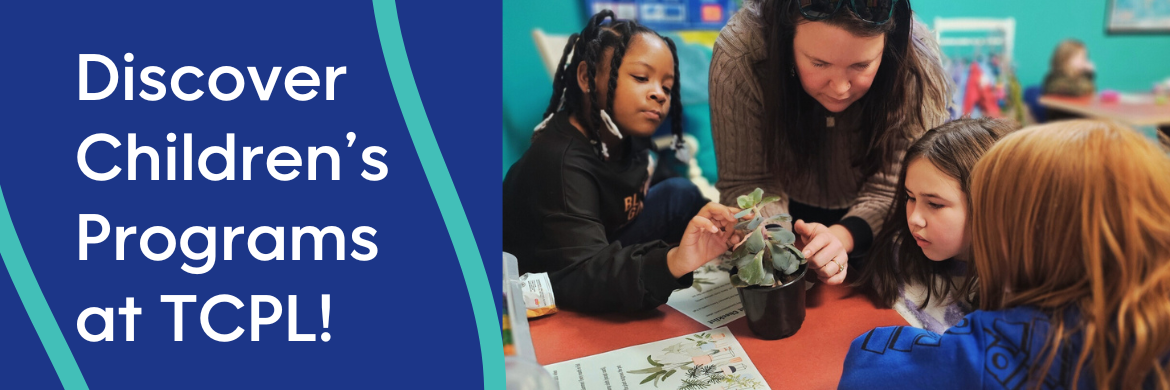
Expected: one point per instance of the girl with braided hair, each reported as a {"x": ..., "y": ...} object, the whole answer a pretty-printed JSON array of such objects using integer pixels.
[{"x": 578, "y": 204}]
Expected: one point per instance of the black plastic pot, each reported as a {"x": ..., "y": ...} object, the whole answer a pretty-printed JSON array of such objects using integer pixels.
[{"x": 775, "y": 312}]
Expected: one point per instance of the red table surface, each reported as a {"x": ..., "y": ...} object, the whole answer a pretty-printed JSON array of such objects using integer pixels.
[{"x": 810, "y": 359}]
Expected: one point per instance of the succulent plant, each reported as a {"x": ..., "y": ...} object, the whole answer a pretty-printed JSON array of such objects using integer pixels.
[{"x": 767, "y": 253}]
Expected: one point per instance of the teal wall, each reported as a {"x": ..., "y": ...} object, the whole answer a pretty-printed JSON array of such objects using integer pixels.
[
  {"x": 1124, "y": 62},
  {"x": 527, "y": 86}
]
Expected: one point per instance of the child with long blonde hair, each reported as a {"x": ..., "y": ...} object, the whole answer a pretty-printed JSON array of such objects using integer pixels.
[{"x": 1071, "y": 247}]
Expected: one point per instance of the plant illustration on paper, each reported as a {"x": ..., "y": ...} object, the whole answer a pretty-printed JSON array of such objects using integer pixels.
[{"x": 699, "y": 361}]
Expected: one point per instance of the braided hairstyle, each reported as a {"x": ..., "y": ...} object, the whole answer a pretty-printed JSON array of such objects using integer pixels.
[{"x": 590, "y": 47}]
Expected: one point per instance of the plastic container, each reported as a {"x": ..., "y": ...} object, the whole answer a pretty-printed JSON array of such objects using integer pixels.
[{"x": 521, "y": 370}]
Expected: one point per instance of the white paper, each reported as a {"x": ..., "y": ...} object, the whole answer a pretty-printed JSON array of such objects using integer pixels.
[
  {"x": 711, "y": 360},
  {"x": 711, "y": 300}
]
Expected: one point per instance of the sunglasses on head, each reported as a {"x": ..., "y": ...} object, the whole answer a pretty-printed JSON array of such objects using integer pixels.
[{"x": 873, "y": 11}]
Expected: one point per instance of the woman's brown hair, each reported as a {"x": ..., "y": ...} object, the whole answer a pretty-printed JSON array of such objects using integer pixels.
[{"x": 908, "y": 94}]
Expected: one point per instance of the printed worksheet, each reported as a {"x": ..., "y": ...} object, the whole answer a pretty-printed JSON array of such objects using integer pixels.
[
  {"x": 711, "y": 360},
  {"x": 711, "y": 299}
]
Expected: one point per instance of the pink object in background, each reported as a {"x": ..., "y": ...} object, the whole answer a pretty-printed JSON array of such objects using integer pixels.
[{"x": 1110, "y": 96}]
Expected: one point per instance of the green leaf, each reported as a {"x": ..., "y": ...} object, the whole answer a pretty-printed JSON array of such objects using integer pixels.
[
  {"x": 755, "y": 223},
  {"x": 651, "y": 377},
  {"x": 743, "y": 213},
  {"x": 769, "y": 199},
  {"x": 652, "y": 362},
  {"x": 795, "y": 252},
  {"x": 781, "y": 259},
  {"x": 737, "y": 282},
  {"x": 744, "y": 261},
  {"x": 752, "y": 271},
  {"x": 792, "y": 266},
  {"x": 784, "y": 260},
  {"x": 781, "y": 236},
  {"x": 668, "y": 374},
  {"x": 769, "y": 279},
  {"x": 744, "y": 201},
  {"x": 751, "y": 244},
  {"x": 757, "y": 195},
  {"x": 754, "y": 243},
  {"x": 779, "y": 218},
  {"x": 768, "y": 270},
  {"x": 645, "y": 370},
  {"x": 742, "y": 225}
]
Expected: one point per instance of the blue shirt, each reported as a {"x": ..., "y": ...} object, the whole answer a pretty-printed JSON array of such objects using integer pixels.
[{"x": 985, "y": 350}]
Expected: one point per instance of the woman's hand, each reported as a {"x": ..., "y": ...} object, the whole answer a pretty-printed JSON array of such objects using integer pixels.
[
  {"x": 826, "y": 248},
  {"x": 708, "y": 235}
]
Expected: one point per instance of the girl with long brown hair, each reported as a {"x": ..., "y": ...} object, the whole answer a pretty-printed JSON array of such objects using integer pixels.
[
  {"x": 920, "y": 258},
  {"x": 1071, "y": 247}
]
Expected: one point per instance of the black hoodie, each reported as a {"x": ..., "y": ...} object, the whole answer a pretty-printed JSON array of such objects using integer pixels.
[{"x": 563, "y": 208}]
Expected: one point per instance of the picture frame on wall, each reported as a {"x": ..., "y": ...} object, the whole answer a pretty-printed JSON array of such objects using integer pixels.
[{"x": 1138, "y": 17}]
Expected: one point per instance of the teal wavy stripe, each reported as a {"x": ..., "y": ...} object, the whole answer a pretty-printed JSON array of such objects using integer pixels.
[
  {"x": 36, "y": 305},
  {"x": 491, "y": 345}
]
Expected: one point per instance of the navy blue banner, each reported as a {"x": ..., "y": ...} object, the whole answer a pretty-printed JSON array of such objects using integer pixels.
[{"x": 239, "y": 195}]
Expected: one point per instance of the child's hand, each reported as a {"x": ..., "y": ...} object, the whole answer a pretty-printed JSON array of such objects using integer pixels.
[
  {"x": 708, "y": 235},
  {"x": 826, "y": 251}
]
